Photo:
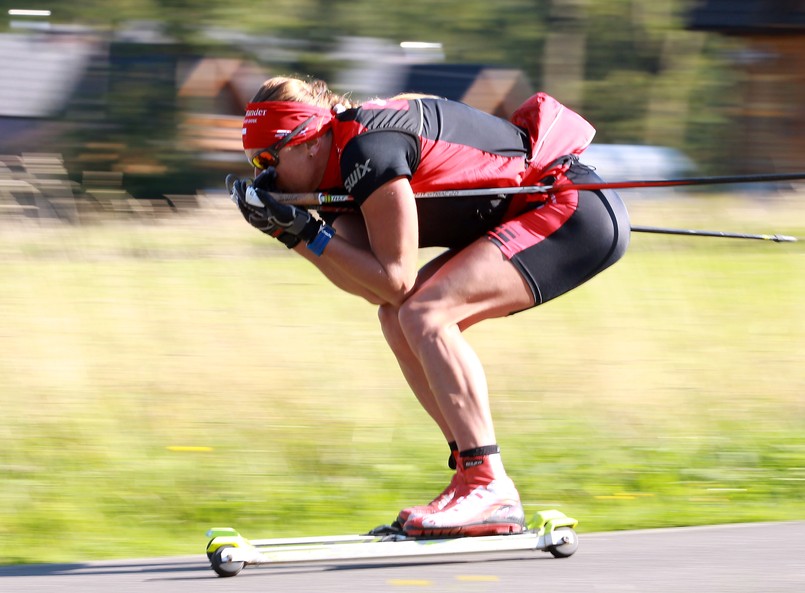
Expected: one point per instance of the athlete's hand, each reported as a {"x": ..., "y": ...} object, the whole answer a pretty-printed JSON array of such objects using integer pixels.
[
  {"x": 287, "y": 218},
  {"x": 254, "y": 211},
  {"x": 292, "y": 219},
  {"x": 290, "y": 224}
]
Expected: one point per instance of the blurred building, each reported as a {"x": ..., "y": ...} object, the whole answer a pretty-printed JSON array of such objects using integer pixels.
[
  {"x": 129, "y": 115},
  {"x": 39, "y": 73},
  {"x": 373, "y": 67},
  {"x": 498, "y": 91},
  {"x": 771, "y": 119},
  {"x": 213, "y": 93}
]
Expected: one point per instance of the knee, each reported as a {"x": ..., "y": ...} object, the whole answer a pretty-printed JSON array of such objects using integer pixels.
[
  {"x": 390, "y": 324},
  {"x": 387, "y": 314},
  {"x": 405, "y": 326},
  {"x": 419, "y": 321}
]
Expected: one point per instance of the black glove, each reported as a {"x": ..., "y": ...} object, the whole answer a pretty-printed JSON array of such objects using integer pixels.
[
  {"x": 288, "y": 223},
  {"x": 267, "y": 180},
  {"x": 256, "y": 215}
]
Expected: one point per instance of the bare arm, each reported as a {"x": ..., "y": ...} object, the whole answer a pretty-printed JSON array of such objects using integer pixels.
[
  {"x": 350, "y": 228},
  {"x": 388, "y": 268}
]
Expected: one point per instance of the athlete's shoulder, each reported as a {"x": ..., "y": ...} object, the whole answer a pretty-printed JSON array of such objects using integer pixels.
[
  {"x": 371, "y": 159},
  {"x": 371, "y": 109},
  {"x": 379, "y": 115}
]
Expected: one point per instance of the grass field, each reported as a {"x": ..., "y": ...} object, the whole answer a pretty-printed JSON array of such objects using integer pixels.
[{"x": 158, "y": 379}]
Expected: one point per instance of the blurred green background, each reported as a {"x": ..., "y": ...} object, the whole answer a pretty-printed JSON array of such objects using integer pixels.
[
  {"x": 166, "y": 368},
  {"x": 161, "y": 379}
]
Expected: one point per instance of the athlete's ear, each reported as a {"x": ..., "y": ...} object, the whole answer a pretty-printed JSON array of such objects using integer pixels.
[{"x": 316, "y": 145}]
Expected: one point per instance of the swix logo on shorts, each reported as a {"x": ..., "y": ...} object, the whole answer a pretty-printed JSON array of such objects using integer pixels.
[{"x": 359, "y": 173}]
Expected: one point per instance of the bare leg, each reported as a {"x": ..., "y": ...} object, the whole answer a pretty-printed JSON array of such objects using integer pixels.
[
  {"x": 409, "y": 363},
  {"x": 477, "y": 283}
]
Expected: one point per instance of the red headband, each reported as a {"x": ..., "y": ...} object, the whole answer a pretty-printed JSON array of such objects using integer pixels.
[{"x": 269, "y": 121}]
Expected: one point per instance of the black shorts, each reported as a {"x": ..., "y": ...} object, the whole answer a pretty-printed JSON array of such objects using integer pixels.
[{"x": 566, "y": 241}]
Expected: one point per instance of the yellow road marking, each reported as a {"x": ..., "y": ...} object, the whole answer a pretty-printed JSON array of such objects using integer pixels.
[
  {"x": 478, "y": 578},
  {"x": 409, "y": 582},
  {"x": 186, "y": 449}
]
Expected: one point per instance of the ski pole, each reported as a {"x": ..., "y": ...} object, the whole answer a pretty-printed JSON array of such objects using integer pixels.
[
  {"x": 345, "y": 201},
  {"x": 722, "y": 234},
  {"x": 312, "y": 200}
]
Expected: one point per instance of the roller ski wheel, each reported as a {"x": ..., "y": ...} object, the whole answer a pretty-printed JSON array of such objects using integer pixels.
[
  {"x": 569, "y": 545},
  {"x": 556, "y": 532},
  {"x": 223, "y": 565},
  {"x": 226, "y": 543}
]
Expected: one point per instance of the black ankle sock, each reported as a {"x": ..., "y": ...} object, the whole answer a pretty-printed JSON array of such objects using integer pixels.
[
  {"x": 451, "y": 461},
  {"x": 480, "y": 451}
]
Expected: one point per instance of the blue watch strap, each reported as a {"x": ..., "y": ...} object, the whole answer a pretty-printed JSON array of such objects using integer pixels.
[{"x": 319, "y": 242}]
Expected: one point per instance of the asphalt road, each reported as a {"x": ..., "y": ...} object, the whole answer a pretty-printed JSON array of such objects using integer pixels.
[{"x": 762, "y": 558}]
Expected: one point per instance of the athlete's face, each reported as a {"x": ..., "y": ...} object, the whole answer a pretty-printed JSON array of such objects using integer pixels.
[
  {"x": 301, "y": 167},
  {"x": 290, "y": 173},
  {"x": 296, "y": 170}
]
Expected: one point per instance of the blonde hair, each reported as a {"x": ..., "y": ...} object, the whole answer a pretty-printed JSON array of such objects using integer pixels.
[
  {"x": 412, "y": 96},
  {"x": 312, "y": 92}
]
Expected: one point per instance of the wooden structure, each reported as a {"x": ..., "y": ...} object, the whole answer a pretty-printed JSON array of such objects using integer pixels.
[
  {"x": 771, "y": 118},
  {"x": 213, "y": 96}
]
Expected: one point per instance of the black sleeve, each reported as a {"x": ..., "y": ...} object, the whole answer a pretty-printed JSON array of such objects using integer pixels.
[{"x": 376, "y": 157}]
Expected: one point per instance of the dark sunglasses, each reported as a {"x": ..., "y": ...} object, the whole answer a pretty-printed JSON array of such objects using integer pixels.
[{"x": 270, "y": 157}]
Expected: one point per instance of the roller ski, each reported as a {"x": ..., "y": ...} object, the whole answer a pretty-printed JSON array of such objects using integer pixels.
[{"x": 229, "y": 552}]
